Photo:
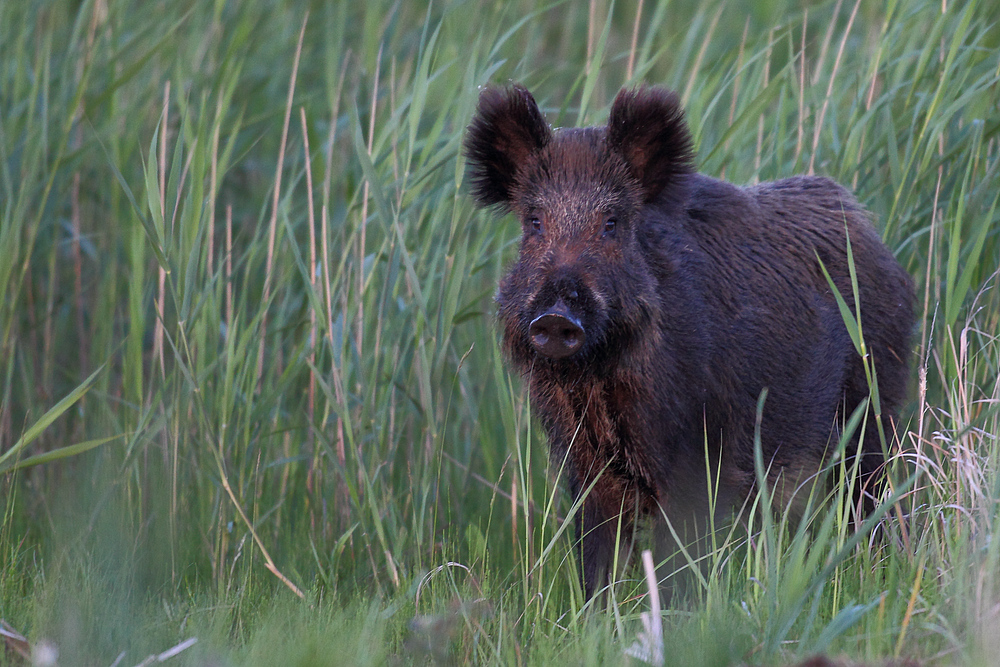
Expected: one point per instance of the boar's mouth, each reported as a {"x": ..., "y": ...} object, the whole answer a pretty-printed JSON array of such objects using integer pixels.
[{"x": 557, "y": 333}]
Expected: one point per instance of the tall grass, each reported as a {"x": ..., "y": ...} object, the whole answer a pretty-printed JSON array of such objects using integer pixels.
[{"x": 246, "y": 335}]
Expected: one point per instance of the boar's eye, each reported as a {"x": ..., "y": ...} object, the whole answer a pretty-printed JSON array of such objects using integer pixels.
[
  {"x": 535, "y": 225},
  {"x": 609, "y": 227}
]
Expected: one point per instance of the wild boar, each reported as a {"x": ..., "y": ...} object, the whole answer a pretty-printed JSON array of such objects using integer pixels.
[{"x": 651, "y": 306}]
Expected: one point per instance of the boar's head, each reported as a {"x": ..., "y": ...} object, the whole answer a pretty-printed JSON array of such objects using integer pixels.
[{"x": 584, "y": 289}]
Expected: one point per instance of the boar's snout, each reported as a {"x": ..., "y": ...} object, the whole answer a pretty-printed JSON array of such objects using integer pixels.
[{"x": 557, "y": 333}]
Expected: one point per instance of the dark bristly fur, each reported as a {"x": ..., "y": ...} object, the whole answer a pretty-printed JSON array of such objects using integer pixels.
[
  {"x": 506, "y": 131},
  {"x": 647, "y": 128},
  {"x": 694, "y": 296}
]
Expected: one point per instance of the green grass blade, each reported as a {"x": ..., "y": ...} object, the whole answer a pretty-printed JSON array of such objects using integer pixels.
[{"x": 36, "y": 429}]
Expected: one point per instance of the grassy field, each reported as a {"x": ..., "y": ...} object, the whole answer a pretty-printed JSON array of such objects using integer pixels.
[{"x": 250, "y": 389}]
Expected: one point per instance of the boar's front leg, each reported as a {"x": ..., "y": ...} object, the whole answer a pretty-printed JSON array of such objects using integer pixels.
[
  {"x": 596, "y": 536},
  {"x": 603, "y": 524}
]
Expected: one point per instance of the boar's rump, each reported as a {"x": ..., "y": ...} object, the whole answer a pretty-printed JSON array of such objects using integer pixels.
[{"x": 651, "y": 306}]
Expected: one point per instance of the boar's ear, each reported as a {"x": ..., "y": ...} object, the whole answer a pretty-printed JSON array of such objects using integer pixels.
[
  {"x": 506, "y": 130},
  {"x": 647, "y": 128}
]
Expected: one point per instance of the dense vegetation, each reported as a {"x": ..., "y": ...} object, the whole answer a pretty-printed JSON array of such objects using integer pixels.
[{"x": 246, "y": 341}]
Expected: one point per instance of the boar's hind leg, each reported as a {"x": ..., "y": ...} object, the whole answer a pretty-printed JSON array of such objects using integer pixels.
[
  {"x": 892, "y": 380},
  {"x": 867, "y": 443}
]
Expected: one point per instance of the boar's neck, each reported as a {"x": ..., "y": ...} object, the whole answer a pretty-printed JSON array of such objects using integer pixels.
[
  {"x": 596, "y": 432},
  {"x": 623, "y": 428}
]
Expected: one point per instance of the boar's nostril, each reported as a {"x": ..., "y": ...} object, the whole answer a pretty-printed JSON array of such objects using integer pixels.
[{"x": 556, "y": 334}]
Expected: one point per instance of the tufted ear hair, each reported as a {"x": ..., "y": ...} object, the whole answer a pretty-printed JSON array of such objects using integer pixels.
[
  {"x": 506, "y": 131},
  {"x": 646, "y": 126}
]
